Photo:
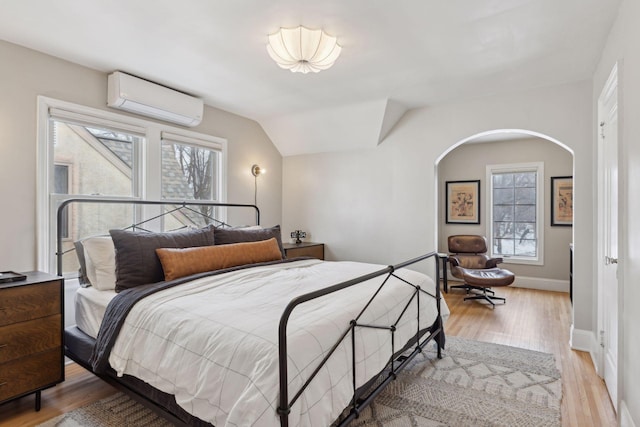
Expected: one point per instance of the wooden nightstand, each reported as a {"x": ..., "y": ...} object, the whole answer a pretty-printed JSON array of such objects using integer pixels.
[
  {"x": 315, "y": 250},
  {"x": 31, "y": 328}
]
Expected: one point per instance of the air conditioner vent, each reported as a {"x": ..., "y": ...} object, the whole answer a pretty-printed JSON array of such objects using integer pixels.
[{"x": 136, "y": 95}]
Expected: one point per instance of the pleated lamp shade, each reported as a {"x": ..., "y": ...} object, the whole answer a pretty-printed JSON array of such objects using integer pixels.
[{"x": 302, "y": 50}]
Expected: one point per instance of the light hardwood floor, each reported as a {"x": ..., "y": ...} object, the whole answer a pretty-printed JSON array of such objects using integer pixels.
[{"x": 536, "y": 320}]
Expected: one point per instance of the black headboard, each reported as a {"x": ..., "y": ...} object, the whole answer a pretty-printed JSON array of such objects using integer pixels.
[{"x": 176, "y": 205}]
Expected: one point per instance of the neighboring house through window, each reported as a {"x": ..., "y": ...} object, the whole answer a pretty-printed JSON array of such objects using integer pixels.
[
  {"x": 191, "y": 171},
  {"x": 516, "y": 212}
]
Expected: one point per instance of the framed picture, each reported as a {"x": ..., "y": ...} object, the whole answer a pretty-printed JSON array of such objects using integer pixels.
[
  {"x": 463, "y": 202},
  {"x": 562, "y": 200}
]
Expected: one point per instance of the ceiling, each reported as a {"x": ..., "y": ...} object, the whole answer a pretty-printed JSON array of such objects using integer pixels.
[{"x": 396, "y": 55}]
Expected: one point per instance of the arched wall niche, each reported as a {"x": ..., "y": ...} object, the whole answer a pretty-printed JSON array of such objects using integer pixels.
[{"x": 510, "y": 146}]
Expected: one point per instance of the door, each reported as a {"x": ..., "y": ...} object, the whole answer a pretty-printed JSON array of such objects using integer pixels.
[{"x": 608, "y": 232}]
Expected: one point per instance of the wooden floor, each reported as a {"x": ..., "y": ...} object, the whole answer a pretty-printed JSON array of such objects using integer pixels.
[{"x": 536, "y": 320}]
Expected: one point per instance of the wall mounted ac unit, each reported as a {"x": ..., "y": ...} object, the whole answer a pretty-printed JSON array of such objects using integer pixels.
[{"x": 149, "y": 99}]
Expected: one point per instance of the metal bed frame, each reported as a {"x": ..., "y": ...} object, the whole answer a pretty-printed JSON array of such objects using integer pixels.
[
  {"x": 399, "y": 357},
  {"x": 396, "y": 362}
]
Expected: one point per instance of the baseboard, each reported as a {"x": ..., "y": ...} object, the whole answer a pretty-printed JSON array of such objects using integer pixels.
[
  {"x": 530, "y": 283},
  {"x": 625, "y": 416},
  {"x": 582, "y": 340},
  {"x": 541, "y": 283}
]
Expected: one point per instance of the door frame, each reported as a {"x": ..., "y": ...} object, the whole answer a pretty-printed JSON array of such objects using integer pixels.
[{"x": 613, "y": 79}]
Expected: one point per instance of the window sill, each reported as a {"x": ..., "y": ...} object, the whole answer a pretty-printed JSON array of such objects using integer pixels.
[{"x": 523, "y": 261}]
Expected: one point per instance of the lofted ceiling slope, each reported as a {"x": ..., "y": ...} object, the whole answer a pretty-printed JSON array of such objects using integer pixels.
[{"x": 397, "y": 55}]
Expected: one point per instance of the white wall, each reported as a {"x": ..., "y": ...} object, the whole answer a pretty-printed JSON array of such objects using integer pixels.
[
  {"x": 25, "y": 74},
  {"x": 469, "y": 161},
  {"x": 623, "y": 46},
  {"x": 379, "y": 205}
]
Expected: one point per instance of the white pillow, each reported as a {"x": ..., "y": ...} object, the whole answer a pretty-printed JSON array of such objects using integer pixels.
[{"x": 100, "y": 260}]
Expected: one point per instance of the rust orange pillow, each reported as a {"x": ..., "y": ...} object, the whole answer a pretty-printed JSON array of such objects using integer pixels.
[{"x": 180, "y": 262}]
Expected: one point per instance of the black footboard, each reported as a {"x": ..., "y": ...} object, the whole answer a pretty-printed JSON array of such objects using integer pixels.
[{"x": 397, "y": 360}]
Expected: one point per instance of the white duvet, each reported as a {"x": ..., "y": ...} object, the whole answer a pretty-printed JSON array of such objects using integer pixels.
[{"x": 213, "y": 342}]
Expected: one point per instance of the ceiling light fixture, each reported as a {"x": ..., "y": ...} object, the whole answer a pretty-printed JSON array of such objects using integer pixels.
[{"x": 302, "y": 50}]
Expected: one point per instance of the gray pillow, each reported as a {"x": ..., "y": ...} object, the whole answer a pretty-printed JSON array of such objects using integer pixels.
[
  {"x": 136, "y": 260},
  {"x": 225, "y": 236},
  {"x": 82, "y": 271}
]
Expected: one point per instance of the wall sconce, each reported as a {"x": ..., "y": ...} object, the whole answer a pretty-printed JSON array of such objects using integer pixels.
[{"x": 255, "y": 171}]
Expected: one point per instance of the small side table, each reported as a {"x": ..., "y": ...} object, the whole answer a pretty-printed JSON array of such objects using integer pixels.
[
  {"x": 31, "y": 342},
  {"x": 315, "y": 250}
]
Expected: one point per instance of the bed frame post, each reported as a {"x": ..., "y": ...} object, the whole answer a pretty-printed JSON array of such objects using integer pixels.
[
  {"x": 439, "y": 340},
  {"x": 283, "y": 408},
  {"x": 59, "y": 253}
]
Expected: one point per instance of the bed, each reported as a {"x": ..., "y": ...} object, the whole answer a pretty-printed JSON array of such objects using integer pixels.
[{"x": 273, "y": 342}]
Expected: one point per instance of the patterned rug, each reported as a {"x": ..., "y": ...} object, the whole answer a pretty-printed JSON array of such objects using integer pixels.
[{"x": 474, "y": 384}]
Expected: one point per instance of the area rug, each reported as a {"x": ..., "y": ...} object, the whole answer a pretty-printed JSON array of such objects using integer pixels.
[{"x": 474, "y": 384}]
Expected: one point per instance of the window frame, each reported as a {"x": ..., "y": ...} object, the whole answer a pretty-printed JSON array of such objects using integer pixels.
[
  {"x": 172, "y": 138},
  {"x": 537, "y": 167},
  {"x": 146, "y": 179}
]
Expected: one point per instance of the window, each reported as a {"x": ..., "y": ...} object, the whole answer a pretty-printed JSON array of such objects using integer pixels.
[
  {"x": 112, "y": 155},
  {"x": 190, "y": 171},
  {"x": 104, "y": 158},
  {"x": 515, "y": 212}
]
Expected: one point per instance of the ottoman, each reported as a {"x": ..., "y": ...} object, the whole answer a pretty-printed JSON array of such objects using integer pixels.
[{"x": 483, "y": 279}]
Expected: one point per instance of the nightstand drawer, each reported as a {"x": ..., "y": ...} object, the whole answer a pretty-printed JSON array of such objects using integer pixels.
[
  {"x": 30, "y": 373},
  {"x": 315, "y": 250},
  {"x": 30, "y": 302},
  {"x": 34, "y": 336}
]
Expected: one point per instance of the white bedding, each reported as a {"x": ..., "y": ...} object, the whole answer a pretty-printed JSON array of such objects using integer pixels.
[
  {"x": 91, "y": 304},
  {"x": 213, "y": 342}
]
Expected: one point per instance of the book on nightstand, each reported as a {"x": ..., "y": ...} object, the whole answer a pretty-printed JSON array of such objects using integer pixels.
[{"x": 11, "y": 276}]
